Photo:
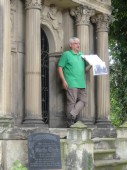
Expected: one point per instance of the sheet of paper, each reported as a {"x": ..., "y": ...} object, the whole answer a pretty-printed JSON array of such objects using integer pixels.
[{"x": 99, "y": 67}]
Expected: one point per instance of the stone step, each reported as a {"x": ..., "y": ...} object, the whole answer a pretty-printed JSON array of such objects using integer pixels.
[
  {"x": 102, "y": 154},
  {"x": 104, "y": 143},
  {"x": 110, "y": 164}
]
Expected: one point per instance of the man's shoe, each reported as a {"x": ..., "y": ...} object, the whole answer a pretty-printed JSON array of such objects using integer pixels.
[
  {"x": 77, "y": 118},
  {"x": 70, "y": 120},
  {"x": 70, "y": 116}
]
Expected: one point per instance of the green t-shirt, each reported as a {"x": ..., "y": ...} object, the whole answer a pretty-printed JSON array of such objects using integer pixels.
[{"x": 73, "y": 68}]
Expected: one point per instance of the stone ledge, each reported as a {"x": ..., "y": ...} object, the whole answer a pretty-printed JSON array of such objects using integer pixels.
[
  {"x": 20, "y": 133},
  {"x": 113, "y": 162},
  {"x": 103, "y": 132},
  {"x": 98, "y": 6}
]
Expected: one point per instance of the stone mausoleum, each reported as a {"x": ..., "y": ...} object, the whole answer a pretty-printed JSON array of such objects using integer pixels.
[{"x": 33, "y": 34}]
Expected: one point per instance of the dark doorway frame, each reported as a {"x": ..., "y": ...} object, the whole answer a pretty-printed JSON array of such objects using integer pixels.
[{"x": 45, "y": 76}]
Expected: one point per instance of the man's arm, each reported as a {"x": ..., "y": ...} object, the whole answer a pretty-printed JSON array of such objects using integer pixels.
[
  {"x": 88, "y": 68},
  {"x": 61, "y": 75}
]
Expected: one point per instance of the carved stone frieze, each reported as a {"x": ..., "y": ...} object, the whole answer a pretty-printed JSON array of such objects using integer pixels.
[
  {"x": 33, "y": 4},
  {"x": 13, "y": 5},
  {"x": 12, "y": 24},
  {"x": 102, "y": 22},
  {"x": 103, "y": 6},
  {"x": 52, "y": 16},
  {"x": 82, "y": 15}
]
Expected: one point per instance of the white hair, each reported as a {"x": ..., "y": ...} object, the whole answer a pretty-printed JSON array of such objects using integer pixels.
[{"x": 73, "y": 39}]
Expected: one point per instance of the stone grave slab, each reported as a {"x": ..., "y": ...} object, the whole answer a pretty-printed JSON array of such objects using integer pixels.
[{"x": 44, "y": 152}]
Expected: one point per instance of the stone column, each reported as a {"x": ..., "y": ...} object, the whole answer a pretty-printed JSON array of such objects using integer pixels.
[
  {"x": 5, "y": 60},
  {"x": 103, "y": 90},
  {"x": 83, "y": 15},
  {"x": 33, "y": 63}
]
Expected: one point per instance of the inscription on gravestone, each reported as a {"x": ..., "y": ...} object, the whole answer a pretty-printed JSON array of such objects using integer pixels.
[{"x": 44, "y": 152}]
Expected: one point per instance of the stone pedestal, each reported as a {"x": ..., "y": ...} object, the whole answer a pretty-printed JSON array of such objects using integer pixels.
[
  {"x": 121, "y": 142},
  {"x": 77, "y": 149}
]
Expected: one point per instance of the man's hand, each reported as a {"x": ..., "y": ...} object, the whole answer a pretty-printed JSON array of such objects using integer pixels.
[
  {"x": 88, "y": 68},
  {"x": 65, "y": 85},
  {"x": 61, "y": 75}
]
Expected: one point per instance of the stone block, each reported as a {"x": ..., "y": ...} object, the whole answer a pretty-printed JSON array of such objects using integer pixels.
[
  {"x": 77, "y": 155},
  {"x": 79, "y": 131},
  {"x": 122, "y": 131},
  {"x": 14, "y": 150},
  {"x": 121, "y": 148},
  {"x": 121, "y": 141},
  {"x": 1, "y": 162},
  {"x": 77, "y": 149}
]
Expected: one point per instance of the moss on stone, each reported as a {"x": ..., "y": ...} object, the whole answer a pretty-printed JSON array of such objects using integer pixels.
[
  {"x": 79, "y": 125},
  {"x": 124, "y": 125}
]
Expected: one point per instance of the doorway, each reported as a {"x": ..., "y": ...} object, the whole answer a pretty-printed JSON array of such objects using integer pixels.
[{"x": 45, "y": 76}]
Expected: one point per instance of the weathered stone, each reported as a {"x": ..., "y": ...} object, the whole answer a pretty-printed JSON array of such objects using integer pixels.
[
  {"x": 121, "y": 141},
  {"x": 77, "y": 149},
  {"x": 14, "y": 150},
  {"x": 20, "y": 77}
]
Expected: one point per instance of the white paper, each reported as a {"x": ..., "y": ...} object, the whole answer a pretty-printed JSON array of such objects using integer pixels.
[{"x": 99, "y": 66}]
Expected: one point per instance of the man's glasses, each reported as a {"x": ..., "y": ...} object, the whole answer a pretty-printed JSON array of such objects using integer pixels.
[{"x": 76, "y": 43}]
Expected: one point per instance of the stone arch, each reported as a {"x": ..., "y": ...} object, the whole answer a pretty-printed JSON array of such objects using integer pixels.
[
  {"x": 52, "y": 25},
  {"x": 53, "y": 40}
]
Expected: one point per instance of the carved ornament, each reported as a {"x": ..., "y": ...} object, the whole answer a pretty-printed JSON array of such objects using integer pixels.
[
  {"x": 13, "y": 5},
  {"x": 54, "y": 17},
  {"x": 102, "y": 6},
  {"x": 82, "y": 15},
  {"x": 33, "y": 4},
  {"x": 102, "y": 22}
]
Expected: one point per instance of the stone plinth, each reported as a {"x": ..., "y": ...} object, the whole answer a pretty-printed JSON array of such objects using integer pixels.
[
  {"x": 77, "y": 149},
  {"x": 121, "y": 141}
]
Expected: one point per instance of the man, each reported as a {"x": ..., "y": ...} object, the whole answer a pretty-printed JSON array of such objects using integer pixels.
[{"x": 71, "y": 70}]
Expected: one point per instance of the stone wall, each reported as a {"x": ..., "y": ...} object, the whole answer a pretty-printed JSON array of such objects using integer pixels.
[{"x": 76, "y": 147}]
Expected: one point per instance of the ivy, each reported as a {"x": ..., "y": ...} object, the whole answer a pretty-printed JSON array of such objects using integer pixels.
[
  {"x": 118, "y": 68},
  {"x": 18, "y": 166}
]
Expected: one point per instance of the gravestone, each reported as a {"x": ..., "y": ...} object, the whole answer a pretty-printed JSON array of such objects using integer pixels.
[{"x": 44, "y": 152}]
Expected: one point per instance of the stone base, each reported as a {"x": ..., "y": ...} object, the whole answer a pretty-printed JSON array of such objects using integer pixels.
[
  {"x": 103, "y": 124},
  {"x": 103, "y": 132},
  {"x": 88, "y": 122},
  {"x": 20, "y": 133},
  {"x": 34, "y": 123},
  {"x": 6, "y": 121}
]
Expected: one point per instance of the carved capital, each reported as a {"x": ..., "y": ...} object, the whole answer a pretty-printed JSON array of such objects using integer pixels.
[
  {"x": 102, "y": 22},
  {"x": 82, "y": 15},
  {"x": 31, "y": 4},
  {"x": 13, "y": 5}
]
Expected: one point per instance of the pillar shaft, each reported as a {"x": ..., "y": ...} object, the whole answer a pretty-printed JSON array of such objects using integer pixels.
[
  {"x": 33, "y": 63},
  {"x": 83, "y": 35},
  {"x": 83, "y": 15},
  {"x": 5, "y": 60},
  {"x": 103, "y": 90}
]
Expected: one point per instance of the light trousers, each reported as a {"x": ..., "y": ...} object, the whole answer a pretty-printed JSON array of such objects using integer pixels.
[{"x": 76, "y": 100}]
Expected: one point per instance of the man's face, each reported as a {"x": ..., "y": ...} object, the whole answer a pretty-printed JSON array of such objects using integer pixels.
[{"x": 75, "y": 46}]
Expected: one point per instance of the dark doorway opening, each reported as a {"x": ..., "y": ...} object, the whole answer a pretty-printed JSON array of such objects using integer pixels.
[{"x": 45, "y": 76}]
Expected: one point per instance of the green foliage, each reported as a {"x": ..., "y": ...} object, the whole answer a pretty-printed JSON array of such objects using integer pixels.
[
  {"x": 118, "y": 70},
  {"x": 90, "y": 162},
  {"x": 18, "y": 166}
]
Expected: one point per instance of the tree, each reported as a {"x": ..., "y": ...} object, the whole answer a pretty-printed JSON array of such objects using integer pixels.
[{"x": 118, "y": 69}]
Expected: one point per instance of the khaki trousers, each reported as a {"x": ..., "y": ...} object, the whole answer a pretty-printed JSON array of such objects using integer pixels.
[{"x": 76, "y": 100}]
